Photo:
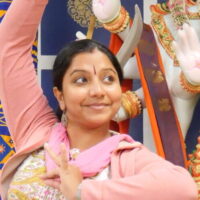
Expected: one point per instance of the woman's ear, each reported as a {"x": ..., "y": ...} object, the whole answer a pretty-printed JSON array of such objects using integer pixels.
[{"x": 59, "y": 96}]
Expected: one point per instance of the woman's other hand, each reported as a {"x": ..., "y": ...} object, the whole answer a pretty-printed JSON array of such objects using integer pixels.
[{"x": 66, "y": 177}]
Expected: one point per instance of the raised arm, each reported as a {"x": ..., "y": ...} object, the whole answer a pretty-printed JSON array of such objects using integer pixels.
[{"x": 25, "y": 107}]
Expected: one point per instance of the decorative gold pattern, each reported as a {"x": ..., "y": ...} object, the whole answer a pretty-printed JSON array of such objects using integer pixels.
[
  {"x": 178, "y": 12},
  {"x": 188, "y": 86},
  {"x": 157, "y": 76},
  {"x": 81, "y": 11},
  {"x": 131, "y": 103},
  {"x": 164, "y": 105},
  {"x": 164, "y": 35},
  {"x": 194, "y": 166},
  {"x": 120, "y": 23}
]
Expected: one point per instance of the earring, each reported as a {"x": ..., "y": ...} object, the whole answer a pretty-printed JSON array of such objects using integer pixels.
[
  {"x": 64, "y": 119},
  {"x": 121, "y": 115},
  {"x": 116, "y": 118}
]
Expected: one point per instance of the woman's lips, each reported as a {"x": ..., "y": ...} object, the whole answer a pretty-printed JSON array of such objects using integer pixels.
[{"x": 97, "y": 106}]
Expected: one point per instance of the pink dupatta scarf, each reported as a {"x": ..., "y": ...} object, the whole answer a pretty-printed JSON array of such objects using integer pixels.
[{"x": 90, "y": 161}]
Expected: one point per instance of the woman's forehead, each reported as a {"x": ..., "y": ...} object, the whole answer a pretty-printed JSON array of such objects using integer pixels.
[
  {"x": 91, "y": 70},
  {"x": 94, "y": 61}
]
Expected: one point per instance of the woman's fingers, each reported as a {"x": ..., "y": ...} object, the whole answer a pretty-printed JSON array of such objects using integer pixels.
[
  {"x": 63, "y": 157},
  {"x": 52, "y": 154},
  {"x": 50, "y": 175},
  {"x": 52, "y": 183}
]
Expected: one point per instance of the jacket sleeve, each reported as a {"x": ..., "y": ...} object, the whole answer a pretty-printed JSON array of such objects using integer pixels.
[
  {"x": 142, "y": 175},
  {"x": 25, "y": 107}
]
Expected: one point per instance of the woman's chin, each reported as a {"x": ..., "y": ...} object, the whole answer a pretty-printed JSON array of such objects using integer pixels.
[{"x": 97, "y": 122}]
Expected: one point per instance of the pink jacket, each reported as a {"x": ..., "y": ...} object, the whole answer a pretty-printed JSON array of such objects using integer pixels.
[{"x": 136, "y": 172}]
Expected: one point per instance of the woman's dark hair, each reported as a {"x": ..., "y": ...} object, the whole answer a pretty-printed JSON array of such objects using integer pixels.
[{"x": 66, "y": 55}]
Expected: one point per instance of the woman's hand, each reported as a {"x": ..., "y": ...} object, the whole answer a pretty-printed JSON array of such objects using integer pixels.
[
  {"x": 106, "y": 10},
  {"x": 187, "y": 48},
  {"x": 66, "y": 178}
]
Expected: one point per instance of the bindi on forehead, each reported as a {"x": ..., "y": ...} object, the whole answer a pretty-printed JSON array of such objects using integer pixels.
[{"x": 95, "y": 72}]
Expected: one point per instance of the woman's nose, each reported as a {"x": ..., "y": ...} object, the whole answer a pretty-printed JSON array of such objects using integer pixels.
[{"x": 96, "y": 89}]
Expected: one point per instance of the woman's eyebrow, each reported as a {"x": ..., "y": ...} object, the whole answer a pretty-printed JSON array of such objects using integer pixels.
[
  {"x": 109, "y": 69},
  {"x": 85, "y": 71},
  {"x": 78, "y": 70}
]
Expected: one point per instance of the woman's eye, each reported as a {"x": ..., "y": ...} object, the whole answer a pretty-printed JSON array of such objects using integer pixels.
[
  {"x": 108, "y": 79},
  {"x": 80, "y": 80}
]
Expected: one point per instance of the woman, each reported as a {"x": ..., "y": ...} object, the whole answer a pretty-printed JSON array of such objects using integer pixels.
[{"x": 93, "y": 163}]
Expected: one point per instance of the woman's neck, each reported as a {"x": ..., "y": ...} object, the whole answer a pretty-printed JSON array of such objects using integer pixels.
[{"x": 83, "y": 137}]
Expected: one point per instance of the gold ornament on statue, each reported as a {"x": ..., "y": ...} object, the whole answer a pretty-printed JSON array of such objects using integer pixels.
[
  {"x": 164, "y": 105},
  {"x": 131, "y": 104},
  {"x": 81, "y": 13},
  {"x": 194, "y": 165},
  {"x": 179, "y": 12}
]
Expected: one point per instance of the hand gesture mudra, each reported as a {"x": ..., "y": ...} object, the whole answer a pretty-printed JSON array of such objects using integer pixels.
[
  {"x": 187, "y": 48},
  {"x": 66, "y": 177}
]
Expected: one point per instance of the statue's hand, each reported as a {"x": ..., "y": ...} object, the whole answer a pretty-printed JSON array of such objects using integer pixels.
[
  {"x": 106, "y": 10},
  {"x": 187, "y": 48}
]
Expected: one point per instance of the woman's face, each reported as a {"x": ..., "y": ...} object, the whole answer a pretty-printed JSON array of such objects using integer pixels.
[{"x": 91, "y": 90}]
